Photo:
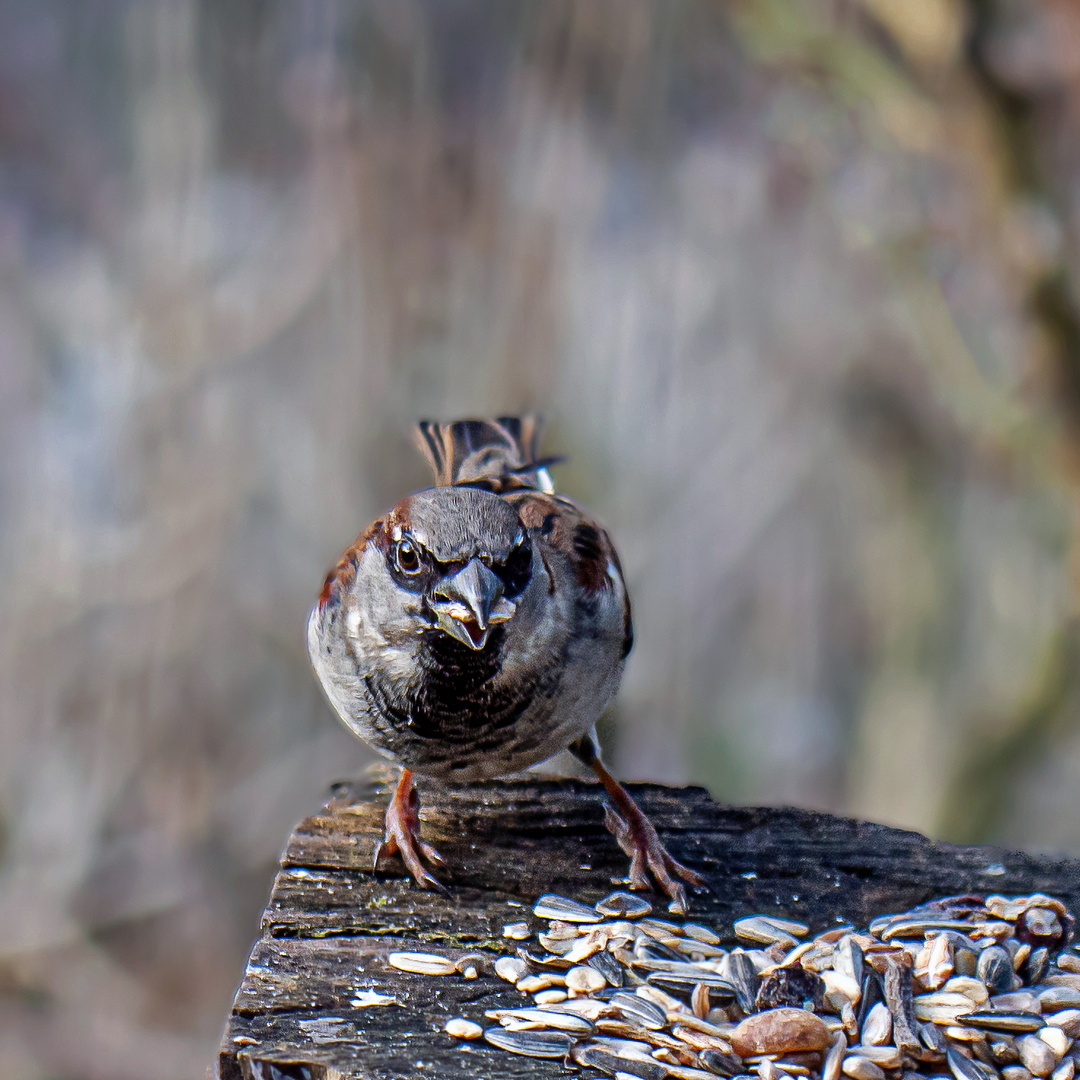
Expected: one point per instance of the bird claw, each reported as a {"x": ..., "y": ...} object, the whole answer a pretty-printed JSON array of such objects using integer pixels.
[
  {"x": 403, "y": 837},
  {"x": 637, "y": 837}
]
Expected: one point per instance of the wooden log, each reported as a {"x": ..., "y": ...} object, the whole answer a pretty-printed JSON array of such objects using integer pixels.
[{"x": 304, "y": 1008}]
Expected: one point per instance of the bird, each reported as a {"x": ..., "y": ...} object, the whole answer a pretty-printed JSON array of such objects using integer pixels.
[{"x": 480, "y": 627}]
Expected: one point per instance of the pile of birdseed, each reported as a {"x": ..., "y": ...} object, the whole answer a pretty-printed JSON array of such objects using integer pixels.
[{"x": 964, "y": 987}]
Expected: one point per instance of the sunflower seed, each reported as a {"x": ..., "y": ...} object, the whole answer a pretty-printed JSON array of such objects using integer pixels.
[
  {"x": 1036, "y": 1055},
  {"x": 699, "y": 1040},
  {"x": 931, "y": 1037},
  {"x": 1056, "y": 1039},
  {"x": 624, "y": 905},
  {"x": 516, "y": 931},
  {"x": 861, "y": 1068},
  {"x": 739, "y": 970},
  {"x": 963, "y": 1068},
  {"x": 1034, "y": 970},
  {"x": 916, "y": 928},
  {"x": 552, "y": 906},
  {"x": 461, "y": 1028},
  {"x": 1015, "y": 1072},
  {"x": 848, "y": 958},
  {"x": 584, "y": 980},
  {"x": 1058, "y": 997},
  {"x": 609, "y": 967},
  {"x": 994, "y": 968},
  {"x": 682, "y": 984},
  {"x": 557, "y": 946},
  {"x": 550, "y": 1017},
  {"x": 607, "y": 1060},
  {"x": 768, "y": 931},
  {"x": 510, "y": 968},
  {"x": 834, "y": 1059},
  {"x": 419, "y": 963},
  {"x": 877, "y": 1027},
  {"x": 704, "y": 934},
  {"x": 721, "y": 1064},
  {"x": 540, "y": 1044},
  {"x": 1015, "y": 1023},
  {"x": 888, "y": 1057},
  {"x": 1066, "y": 1019},
  {"x": 531, "y": 983},
  {"x": 1004, "y": 1051},
  {"x": 1018, "y": 1001},
  {"x": 969, "y": 987},
  {"x": 638, "y": 1011},
  {"x": 683, "y": 1072}
]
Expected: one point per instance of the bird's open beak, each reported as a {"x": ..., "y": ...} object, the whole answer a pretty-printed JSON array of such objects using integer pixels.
[{"x": 470, "y": 603}]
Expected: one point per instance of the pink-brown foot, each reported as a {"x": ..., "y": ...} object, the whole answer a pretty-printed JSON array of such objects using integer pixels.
[
  {"x": 637, "y": 837},
  {"x": 403, "y": 836},
  {"x": 648, "y": 856}
]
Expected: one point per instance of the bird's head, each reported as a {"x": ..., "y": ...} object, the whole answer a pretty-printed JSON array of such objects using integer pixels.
[{"x": 460, "y": 558}]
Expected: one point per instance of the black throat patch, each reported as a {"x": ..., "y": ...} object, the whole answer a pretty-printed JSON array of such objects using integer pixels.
[{"x": 454, "y": 693}]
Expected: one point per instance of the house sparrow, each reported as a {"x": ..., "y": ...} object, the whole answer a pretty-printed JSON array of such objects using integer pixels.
[{"x": 479, "y": 627}]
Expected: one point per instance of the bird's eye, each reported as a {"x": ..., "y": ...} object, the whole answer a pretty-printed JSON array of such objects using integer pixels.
[
  {"x": 516, "y": 571},
  {"x": 408, "y": 558}
]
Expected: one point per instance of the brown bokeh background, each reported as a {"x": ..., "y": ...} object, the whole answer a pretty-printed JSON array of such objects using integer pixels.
[{"x": 795, "y": 281}]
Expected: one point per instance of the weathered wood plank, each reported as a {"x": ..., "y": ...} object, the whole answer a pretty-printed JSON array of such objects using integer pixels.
[{"x": 330, "y": 924}]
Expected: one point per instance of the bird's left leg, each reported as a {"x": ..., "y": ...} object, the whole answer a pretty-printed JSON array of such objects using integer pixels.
[
  {"x": 636, "y": 835},
  {"x": 403, "y": 835}
]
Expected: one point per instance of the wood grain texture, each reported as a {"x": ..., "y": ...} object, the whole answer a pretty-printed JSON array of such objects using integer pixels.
[{"x": 330, "y": 924}]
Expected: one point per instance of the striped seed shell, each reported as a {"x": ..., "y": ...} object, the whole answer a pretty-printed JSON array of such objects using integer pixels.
[
  {"x": 540, "y": 1044},
  {"x": 552, "y": 906}
]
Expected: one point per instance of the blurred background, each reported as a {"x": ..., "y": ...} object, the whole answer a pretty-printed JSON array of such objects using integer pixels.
[{"x": 795, "y": 282}]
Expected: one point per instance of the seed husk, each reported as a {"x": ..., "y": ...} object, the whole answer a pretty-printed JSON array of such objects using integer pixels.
[
  {"x": 1058, "y": 997},
  {"x": 552, "y": 906},
  {"x": 545, "y": 1017},
  {"x": 963, "y": 1068},
  {"x": 510, "y": 968},
  {"x": 539, "y": 1044},
  {"x": 639, "y": 1011},
  {"x": 1056, "y": 1039},
  {"x": 682, "y": 984},
  {"x": 624, "y": 905},
  {"x": 593, "y": 1055},
  {"x": 877, "y": 1027},
  {"x": 516, "y": 931},
  {"x": 769, "y": 931},
  {"x": 420, "y": 963},
  {"x": 584, "y": 980},
  {"x": 461, "y": 1028},
  {"x": 699, "y": 1040},
  {"x": 721, "y": 1064},
  {"x": 609, "y": 967},
  {"x": 861, "y": 1068},
  {"x": 1013, "y": 1023},
  {"x": 1036, "y": 1055},
  {"x": 834, "y": 1059}
]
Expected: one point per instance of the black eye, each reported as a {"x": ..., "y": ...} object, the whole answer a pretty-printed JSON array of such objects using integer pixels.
[
  {"x": 517, "y": 570},
  {"x": 408, "y": 558}
]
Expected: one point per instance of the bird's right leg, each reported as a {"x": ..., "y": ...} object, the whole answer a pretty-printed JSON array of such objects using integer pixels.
[{"x": 403, "y": 835}]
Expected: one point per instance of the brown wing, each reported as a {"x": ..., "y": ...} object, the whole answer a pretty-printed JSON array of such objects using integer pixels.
[{"x": 584, "y": 546}]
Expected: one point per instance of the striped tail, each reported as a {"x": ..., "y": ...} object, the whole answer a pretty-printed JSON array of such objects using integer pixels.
[{"x": 498, "y": 454}]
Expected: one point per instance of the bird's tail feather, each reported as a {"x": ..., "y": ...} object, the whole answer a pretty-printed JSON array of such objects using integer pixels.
[{"x": 493, "y": 453}]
